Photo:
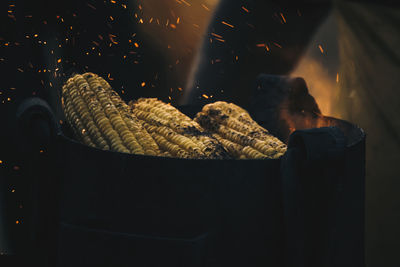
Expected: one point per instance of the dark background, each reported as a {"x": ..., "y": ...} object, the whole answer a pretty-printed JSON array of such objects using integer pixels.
[{"x": 42, "y": 42}]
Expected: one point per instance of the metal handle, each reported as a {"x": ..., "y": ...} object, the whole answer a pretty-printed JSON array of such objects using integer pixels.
[
  {"x": 312, "y": 174},
  {"x": 36, "y": 123},
  {"x": 37, "y": 129}
]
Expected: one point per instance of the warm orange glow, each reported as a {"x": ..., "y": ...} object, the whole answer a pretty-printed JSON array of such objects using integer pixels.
[
  {"x": 304, "y": 120},
  {"x": 143, "y": 84},
  {"x": 245, "y": 9},
  {"x": 320, "y": 84}
]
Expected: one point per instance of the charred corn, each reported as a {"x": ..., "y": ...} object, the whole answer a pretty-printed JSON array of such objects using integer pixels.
[
  {"x": 238, "y": 132},
  {"x": 98, "y": 118},
  {"x": 174, "y": 132}
]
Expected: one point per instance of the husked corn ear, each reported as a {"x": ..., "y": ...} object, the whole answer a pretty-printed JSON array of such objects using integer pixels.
[
  {"x": 238, "y": 132},
  {"x": 148, "y": 144},
  {"x": 175, "y": 132},
  {"x": 97, "y": 121}
]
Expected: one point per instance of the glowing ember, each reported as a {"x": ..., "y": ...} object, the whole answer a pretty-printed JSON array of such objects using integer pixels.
[
  {"x": 283, "y": 17},
  {"x": 321, "y": 49},
  {"x": 186, "y": 3},
  {"x": 216, "y": 35},
  {"x": 227, "y": 24},
  {"x": 277, "y": 45}
]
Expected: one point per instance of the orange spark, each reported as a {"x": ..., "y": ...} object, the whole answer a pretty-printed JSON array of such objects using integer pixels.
[
  {"x": 112, "y": 36},
  {"x": 227, "y": 24},
  {"x": 321, "y": 49},
  {"x": 221, "y": 40},
  {"x": 283, "y": 18},
  {"x": 216, "y": 35},
  {"x": 186, "y": 3},
  {"x": 136, "y": 45},
  {"x": 59, "y": 60},
  {"x": 143, "y": 84},
  {"x": 245, "y": 9},
  {"x": 178, "y": 20},
  {"x": 172, "y": 26},
  {"x": 278, "y": 45},
  {"x": 205, "y": 96},
  {"x": 260, "y": 45},
  {"x": 205, "y": 7},
  {"x": 337, "y": 77}
]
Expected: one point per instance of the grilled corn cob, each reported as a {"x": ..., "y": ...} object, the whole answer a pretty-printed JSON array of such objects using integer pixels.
[
  {"x": 174, "y": 132},
  {"x": 238, "y": 132},
  {"x": 100, "y": 119}
]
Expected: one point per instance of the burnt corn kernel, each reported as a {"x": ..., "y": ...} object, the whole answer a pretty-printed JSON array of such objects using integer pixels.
[
  {"x": 175, "y": 132},
  {"x": 241, "y": 136}
]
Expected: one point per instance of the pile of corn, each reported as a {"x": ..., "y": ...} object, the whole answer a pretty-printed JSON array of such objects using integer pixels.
[
  {"x": 100, "y": 118},
  {"x": 238, "y": 132}
]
